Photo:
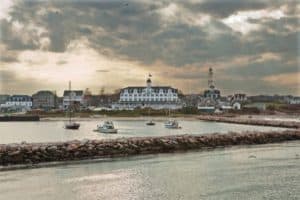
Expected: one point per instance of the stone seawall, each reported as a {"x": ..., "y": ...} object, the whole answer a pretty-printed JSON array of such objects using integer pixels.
[
  {"x": 251, "y": 121},
  {"x": 32, "y": 153}
]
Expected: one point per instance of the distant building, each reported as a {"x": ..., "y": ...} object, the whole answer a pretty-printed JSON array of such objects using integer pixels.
[
  {"x": 44, "y": 99},
  {"x": 237, "y": 97},
  {"x": 73, "y": 97},
  {"x": 211, "y": 97},
  {"x": 191, "y": 100},
  {"x": 156, "y": 97},
  {"x": 4, "y": 98},
  {"x": 211, "y": 92},
  {"x": 103, "y": 100},
  {"x": 236, "y": 105},
  {"x": 19, "y": 102},
  {"x": 293, "y": 100}
]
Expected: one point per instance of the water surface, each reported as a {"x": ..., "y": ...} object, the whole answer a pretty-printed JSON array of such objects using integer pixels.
[
  {"x": 257, "y": 172},
  {"x": 53, "y": 131}
]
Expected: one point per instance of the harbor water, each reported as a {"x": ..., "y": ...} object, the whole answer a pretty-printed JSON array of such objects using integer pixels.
[
  {"x": 260, "y": 172},
  {"x": 53, "y": 131}
]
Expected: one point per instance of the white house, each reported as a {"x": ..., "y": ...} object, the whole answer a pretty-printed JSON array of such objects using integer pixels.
[
  {"x": 73, "y": 96},
  {"x": 23, "y": 102},
  {"x": 156, "y": 97},
  {"x": 294, "y": 100}
]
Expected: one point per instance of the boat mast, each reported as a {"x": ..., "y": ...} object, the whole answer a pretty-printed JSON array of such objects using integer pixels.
[{"x": 69, "y": 102}]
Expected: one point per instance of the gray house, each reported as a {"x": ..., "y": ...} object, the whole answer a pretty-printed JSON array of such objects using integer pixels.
[{"x": 44, "y": 100}]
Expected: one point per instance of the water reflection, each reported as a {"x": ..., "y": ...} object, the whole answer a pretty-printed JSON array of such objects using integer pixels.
[{"x": 217, "y": 174}]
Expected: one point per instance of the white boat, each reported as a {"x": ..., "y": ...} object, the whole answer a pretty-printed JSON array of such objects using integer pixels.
[
  {"x": 107, "y": 127},
  {"x": 172, "y": 124}
]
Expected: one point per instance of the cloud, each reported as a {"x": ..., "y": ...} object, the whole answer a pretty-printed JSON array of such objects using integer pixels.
[
  {"x": 224, "y": 8},
  {"x": 102, "y": 71},
  {"x": 181, "y": 35}
]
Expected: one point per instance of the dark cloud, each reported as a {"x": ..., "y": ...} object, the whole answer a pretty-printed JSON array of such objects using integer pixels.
[
  {"x": 262, "y": 68},
  {"x": 10, "y": 83},
  {"x": 225, "y": 8},
  {"x": 102, "y": 71},
  {"x": 8, "y": 57},
  {"x": 139, "y": 32}
]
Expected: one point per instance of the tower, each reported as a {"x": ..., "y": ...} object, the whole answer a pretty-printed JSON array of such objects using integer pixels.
[
  {"x": 210, "y": 78},
  {"x": 149, "y": 82}
]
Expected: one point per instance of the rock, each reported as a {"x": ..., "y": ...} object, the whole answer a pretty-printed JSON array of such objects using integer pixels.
[
  {"x": 14, "y": 153},
  {"x": 52, "y": 148}
]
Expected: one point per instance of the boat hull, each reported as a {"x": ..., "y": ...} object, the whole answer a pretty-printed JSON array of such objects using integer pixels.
[
  {"x": 150, "y": 123},
  {"x": 72, "y": 126},
  {"x": 110, "y": 131}
]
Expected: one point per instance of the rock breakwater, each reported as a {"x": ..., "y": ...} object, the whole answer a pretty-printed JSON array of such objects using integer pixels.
[
  {"x": 251, "y": 121},
  {"x": 33, "y": 153}
]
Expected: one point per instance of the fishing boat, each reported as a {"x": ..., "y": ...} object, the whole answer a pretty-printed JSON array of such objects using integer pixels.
[
  {"x": 172, "y": 124},
  {"x": 107, "y": 127},
  {"x": 71, "y": 124}
]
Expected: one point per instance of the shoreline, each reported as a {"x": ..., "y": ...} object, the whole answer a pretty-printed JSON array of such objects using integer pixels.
[
  {"x": 102, "y": 118},
  {"x": 31, "y": 155}
]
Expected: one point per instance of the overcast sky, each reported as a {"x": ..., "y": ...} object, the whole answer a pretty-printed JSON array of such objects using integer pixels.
[{"x": 252, "y": 45}]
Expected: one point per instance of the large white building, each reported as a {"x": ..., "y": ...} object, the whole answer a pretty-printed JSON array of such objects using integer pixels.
[
  {"x": 156, "y": 97},
  {"x": 19, "y": 102}
]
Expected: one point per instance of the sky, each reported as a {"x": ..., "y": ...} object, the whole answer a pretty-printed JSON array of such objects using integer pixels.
[{"x": 252, "y": 45}]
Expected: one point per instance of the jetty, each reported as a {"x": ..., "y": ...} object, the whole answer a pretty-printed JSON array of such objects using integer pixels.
[
  {"x": 250, "y": 121},
  {"x": 33, "y": 153}
]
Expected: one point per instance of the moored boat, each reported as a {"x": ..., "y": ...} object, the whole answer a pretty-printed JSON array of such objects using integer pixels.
[
  {"x": 70, "y": 124},
  {"x": 172, "y": 124},
  {"x": 150, "y": 123},
  {"x": 107, "y": 127}
]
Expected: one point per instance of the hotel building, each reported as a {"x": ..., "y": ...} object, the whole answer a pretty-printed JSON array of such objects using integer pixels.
[{"x": 155, "y": 97}]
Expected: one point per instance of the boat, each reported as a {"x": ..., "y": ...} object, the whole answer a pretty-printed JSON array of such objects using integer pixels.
[
  {"x": 107, "y": 127},
  {"x": 70, "y": 124},
  {"x": 172, "y": 124},
  {"x": 150, "y": 123}
]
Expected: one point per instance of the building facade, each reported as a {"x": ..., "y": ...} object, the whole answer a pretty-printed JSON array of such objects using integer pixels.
[
  {"x": 44, "y": 100},
  {"x": 155, "y": 97},
  {"x": 211, "y": 92},
  {"x": 73, "y": 97},
  {"x": 20, "y": 102},
  {"x": 4, "y": 98}
]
